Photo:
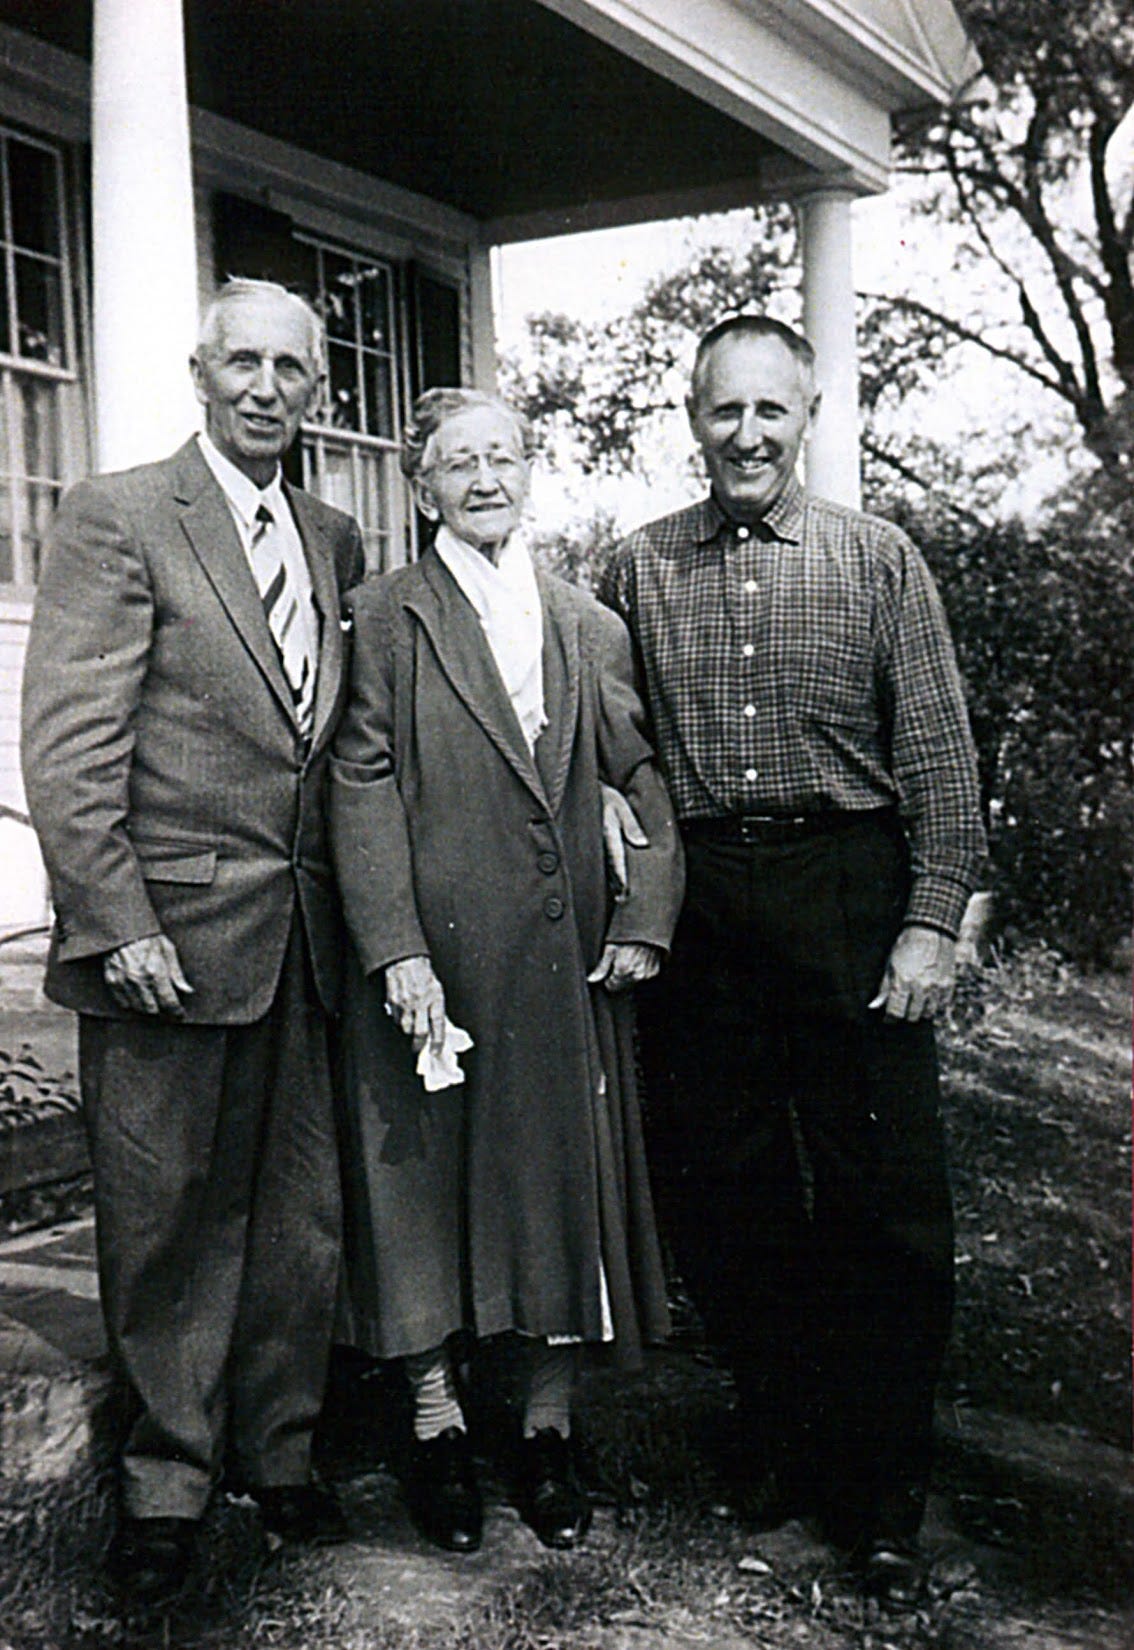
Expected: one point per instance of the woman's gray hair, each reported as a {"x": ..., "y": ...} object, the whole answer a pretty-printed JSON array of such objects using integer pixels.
[
  {"x": 435, "y": 408},
  {"x": 237, "y": 290}
]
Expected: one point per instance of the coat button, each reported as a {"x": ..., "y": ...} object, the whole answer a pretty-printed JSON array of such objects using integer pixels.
[
  {"x": 553, "y": 907},
  {"x": 548, "y": 863}
]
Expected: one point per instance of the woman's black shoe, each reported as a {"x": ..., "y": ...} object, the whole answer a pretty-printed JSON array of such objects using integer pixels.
[
  {"x": 443, "y": 1493},
  {"x": 553, "y": 1503}
]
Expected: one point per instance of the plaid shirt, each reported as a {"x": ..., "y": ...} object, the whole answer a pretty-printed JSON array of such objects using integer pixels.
[{"x": 802, "y": 664}]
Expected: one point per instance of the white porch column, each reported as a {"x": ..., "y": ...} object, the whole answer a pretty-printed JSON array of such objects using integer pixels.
[
  {"x": 482, "y": 323},
  {"x": 832, "y": 458},
  {"x": 143, "y": 247}
]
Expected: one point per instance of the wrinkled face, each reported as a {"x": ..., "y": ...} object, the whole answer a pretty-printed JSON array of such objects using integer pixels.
[
  {"x": 474, "y": 477},
  {"x": 257, "y": 381},
  {"x": 749, "y": 414}
]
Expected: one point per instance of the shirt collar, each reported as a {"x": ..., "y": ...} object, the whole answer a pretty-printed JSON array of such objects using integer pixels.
[
  {"x": 783, "y": 521},
  {"x": 242, "y": 493}
]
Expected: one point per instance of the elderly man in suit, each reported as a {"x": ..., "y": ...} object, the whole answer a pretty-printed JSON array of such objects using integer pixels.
[{"x": 184, "y": 675}]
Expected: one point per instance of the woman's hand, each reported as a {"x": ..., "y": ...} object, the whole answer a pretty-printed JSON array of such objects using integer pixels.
[
  {"x": 626, "y": 963},
  {"x": 415, "y": 1001}
]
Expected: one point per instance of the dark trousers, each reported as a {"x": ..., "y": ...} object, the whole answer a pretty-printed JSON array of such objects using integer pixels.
[
  {"x": 217, "y": 1210},
  {"x": 799, "y": 1163}
]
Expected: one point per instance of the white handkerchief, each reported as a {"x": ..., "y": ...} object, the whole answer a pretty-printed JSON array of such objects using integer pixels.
[{"x": 441, "y": 1071}]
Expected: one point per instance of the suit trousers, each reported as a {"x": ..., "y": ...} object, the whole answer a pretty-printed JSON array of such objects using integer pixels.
[
  {"x": 799, "y": 1162},
  {"x": 217, "y": 1208}
]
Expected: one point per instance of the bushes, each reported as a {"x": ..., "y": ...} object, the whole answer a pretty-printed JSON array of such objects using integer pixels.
[{"x": 1043, "y": 623}]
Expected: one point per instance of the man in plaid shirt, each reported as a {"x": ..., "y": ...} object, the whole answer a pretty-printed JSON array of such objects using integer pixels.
[{"x": 812, "y": 727}]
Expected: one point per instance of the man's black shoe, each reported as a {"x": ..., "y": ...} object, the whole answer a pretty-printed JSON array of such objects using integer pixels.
[
  {"x": 301, "y": 1512},
  {"x": 443, "y": 1493},
  {"x": 554, "y": 1505},
  {"x": 150, "y": 1559},
  {"x": 893, "y": 1570}
]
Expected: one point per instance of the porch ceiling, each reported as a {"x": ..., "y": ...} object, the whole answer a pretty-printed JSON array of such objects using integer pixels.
[{"x": 500, "y": 108}]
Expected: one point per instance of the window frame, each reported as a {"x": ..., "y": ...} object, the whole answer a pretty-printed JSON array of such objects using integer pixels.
[
  {"x": 71, "y": 411},
  {"x": 392, "y": 545}
]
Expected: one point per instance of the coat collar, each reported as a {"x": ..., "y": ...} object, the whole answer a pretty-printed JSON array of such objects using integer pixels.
[{"x": 457, "y": 640}]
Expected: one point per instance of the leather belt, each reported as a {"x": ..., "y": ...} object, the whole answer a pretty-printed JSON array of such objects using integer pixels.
[{"x": 779, "y": 827}]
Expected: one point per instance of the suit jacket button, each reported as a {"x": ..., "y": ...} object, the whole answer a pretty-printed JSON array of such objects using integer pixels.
[
  {"x": 553, "y": 907},
  {"x": 548, "y": 863}
]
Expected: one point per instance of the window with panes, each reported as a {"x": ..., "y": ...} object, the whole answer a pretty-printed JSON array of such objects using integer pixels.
[
  {"x": 350, "y": 444},
  {"x": 43, "y": 444}
]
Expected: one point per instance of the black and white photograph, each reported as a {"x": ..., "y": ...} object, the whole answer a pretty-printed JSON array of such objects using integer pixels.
[{"x": 566, "y": 824}]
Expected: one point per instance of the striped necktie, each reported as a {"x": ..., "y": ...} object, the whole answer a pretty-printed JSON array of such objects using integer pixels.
[{"x": 281, "y": 608}]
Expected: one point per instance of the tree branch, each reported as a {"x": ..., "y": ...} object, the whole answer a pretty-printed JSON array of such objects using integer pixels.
[
  {"x": 1118, "y": 297},
  {"x": 882, "y": 455},
  {"x": 967, "y": 335}
]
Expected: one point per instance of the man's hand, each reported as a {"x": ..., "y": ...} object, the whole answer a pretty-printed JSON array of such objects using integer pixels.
[
  {"x": 625, "y": 964},
  {"x": 146, "y": 976},
  {"x": 918, "y": 982},
  {"x": 620, "y": 825},
  {"x": 415, "y": 1001}
]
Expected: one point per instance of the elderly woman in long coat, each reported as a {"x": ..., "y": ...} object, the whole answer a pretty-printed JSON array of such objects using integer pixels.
[{"x": 489, "y": 704}]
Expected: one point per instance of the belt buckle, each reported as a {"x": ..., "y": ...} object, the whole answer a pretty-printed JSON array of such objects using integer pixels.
[{"x": 759, "y": 827}]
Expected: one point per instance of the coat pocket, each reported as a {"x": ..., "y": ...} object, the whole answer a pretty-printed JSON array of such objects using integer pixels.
[{"x": 176, "y": 862}]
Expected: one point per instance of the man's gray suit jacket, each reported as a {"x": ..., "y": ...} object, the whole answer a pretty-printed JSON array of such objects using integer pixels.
[{"x": 165, "y": 771}]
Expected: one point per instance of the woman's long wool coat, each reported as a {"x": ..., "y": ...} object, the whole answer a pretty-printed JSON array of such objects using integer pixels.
[{"x": 488, "y": 1206}]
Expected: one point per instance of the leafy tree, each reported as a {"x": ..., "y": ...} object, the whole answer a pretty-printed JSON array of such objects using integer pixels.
[{"x": 1035, "y": 169}]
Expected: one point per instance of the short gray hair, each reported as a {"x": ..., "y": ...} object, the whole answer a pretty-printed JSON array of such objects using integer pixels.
[
  {"x": 238, "y": 290},
  {"x": 754, "y": 326},
  {"x": 435, "y": 408}
]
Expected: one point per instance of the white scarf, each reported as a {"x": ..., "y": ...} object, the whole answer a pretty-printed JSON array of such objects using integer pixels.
[{"x": 505, "y": 598}]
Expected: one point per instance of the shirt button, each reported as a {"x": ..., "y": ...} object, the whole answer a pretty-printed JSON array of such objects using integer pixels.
[
  {"x": 548, "y": 863},
  {"x": 553, "y": 907},
  {"x": 750, "y": 587},
  {"x": 748, "y": 649},
  {"x": 751, "y": 775},
  {"x": 742, "y": 534},
  {"x": 750, "y": 710}
]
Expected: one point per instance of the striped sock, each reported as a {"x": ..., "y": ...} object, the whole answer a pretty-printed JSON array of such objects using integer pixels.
[{"x": 435, "y": 1402}]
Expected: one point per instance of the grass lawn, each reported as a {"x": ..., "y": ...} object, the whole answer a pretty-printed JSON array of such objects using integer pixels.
[
  {"x": 1038, "y": 1112},
  {"x": 1037, "y": 1071}
]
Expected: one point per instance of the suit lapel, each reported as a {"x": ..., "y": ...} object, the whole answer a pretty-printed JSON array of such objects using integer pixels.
[
  {"x": 210, "y": 529},
  {"x": 464, "y": 655},
  {"x": 326, "y": 592}
]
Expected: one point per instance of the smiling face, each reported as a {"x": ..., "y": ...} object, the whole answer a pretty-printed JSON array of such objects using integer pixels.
[
  {"x": 256, "y": 380},
  {"x": 750, "y": 410},
  {"x": 474, "y": 477}
]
